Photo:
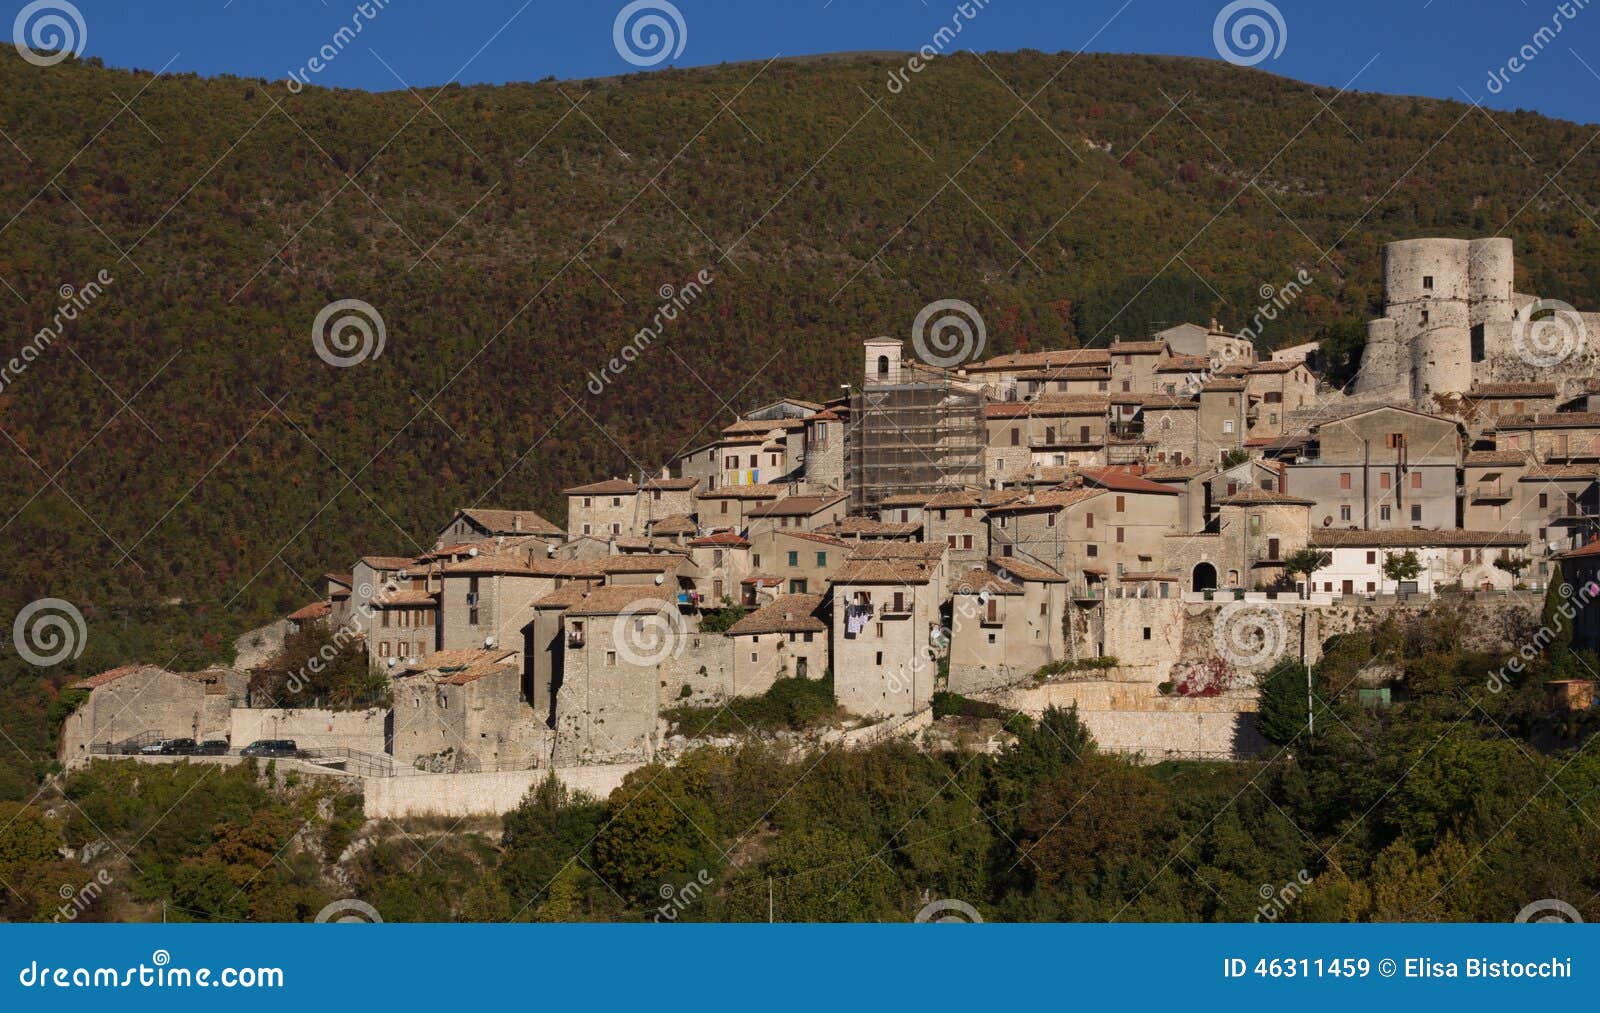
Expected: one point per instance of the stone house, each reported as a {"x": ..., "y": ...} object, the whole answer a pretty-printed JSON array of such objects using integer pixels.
[
  {"x": 865, "y": 529},
  {"x": 1068, "y": 380},
  {"x": 1056, "y": 431},
  {"x": 1116, "y": 522},
  {"x": 375, "y": 575},
  {"x": 1463, "y": 559},
  {"x": 1580, "y": 569},
  {"x": 786, "y": 638},
  {"x": 1134, "y": 365},
  {"x": 1554, "y": 505},
  {"x": 803, "y": 561},
  {"x": 619, "y": 508},
  {"x": 902, "y": 508},
  {"x": 724, "y": 508},
  {"x": 722, "y": 560},
  {"x": 1219, "y": 347},
  {"x": 1224, "y": 420},
  {"x": 471, "y": 524},
  {"x": 1384, "y": 467},
  {"x": 1182, "y": 374},
  {"x": 1000, "y": 375},
  {"x": 1260, "y": 529},
  {"x": 887, "y": 635},
  {"x": 795, "y": 512},
  {"x": 404, "y": 626},
  {"x": 465, "y": 711},
  {"x": 146, "y": 703},
  {"x": 1553, "y": 437},
  {"x": 1485, "y": 404},
  {"x": 824, "y": 450},
  {"x": 1005, "y": 625},
  {"x": 959, "y": 522},
  {"x": 1278, "y": 387}
]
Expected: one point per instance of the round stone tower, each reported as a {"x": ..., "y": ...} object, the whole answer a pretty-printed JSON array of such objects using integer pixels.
[{"x": 1428, "y": 294}]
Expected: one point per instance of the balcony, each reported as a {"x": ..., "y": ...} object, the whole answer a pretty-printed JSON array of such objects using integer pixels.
[
  {"x": 574, "y": 641},
  {"x": 1496, "y": 493},
  {"x": 893, "y": 608}
]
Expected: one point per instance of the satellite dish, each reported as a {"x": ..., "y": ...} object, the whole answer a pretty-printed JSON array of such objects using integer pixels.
[
  {"x": 488, "y": 641},
  {"x": 391, "y": 662},
  {"x": 1327, "y": 521},
  {"x": 659, "y": 578},
  {"x": 473, "y": 552}
]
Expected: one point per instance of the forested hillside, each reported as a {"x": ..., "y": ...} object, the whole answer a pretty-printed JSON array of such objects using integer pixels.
[{"x": 515, "y": 238}]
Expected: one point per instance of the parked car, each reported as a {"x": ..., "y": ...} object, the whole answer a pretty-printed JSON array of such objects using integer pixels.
[
  {"x": 170, "y": 747},
  {"x": 212, "y": 747},
  {"x": 273, "y": 748}
]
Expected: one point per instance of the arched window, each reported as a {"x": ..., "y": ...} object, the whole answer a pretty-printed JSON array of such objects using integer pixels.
[{"x": 883, "y": 365}]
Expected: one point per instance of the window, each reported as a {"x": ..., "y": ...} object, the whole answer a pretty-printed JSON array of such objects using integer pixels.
[
  {"x": 611, "y": 659},
  {"x": 966, "y": 541},
  {"x": 1385, "y": 513},
  {"x": 755, "y": 560},
  {"x": 383, "y": 649},
  {"x": 1092, "y": 551},
  {"x": 950, "y": 541},
  {"x": 822, "y": 559},
  {"x": 1147, "y": 633},
  {"x": 1425, "y": 315},
  {"x": 1544, "y": 500},
  {"x": 1227, "y": 425},
  {"x": 1416, "y": 513},
  {"x": 991, "y": 638},
  {"x": 1383, "y": 480},
  {"x": 384, "y": 619},
  {"x": 1119, "y": 535},
  {"x": 1427, "y": 282},
  {"x": 1122, "y": 504},
  {"x": 616, "y": 501},
  {"x": 794, "y": 559},
  {"x": 1344, "y": 480},
  {"x": 878, "y": 659},
  {"x": 1394, "y": 441},
  {"x": 589, "y": 530},
  {"x": 1050, "y": 521},
  {"x": 588, "y": 502},
  {"x": 1416, "y": 480},
  {"x": 1088, "y": 521},
  {"x": 1344, "y": 512},
  {"x": 1016, "y": 437}
]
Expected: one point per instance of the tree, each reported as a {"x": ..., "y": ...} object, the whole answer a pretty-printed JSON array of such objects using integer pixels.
[
  {"x": 1305, "y": 562},
  {"x": 1283, "y": 702},
  {"x": 1402, "y": 567},
  {"x": 1513, "y": 565}
]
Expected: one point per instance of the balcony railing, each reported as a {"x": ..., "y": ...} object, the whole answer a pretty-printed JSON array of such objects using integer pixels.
[
  {"x": 574, "y": 641},
  {"x": 1484, "y": 493},
  {"x": 891, "y": 608}
]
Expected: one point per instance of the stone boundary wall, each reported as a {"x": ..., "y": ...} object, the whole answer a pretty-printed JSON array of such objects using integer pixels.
[
  {"x": 1132, "y": 717},
  {"x": 493, "y": 793},
  {"x": 310, "y": 729}
]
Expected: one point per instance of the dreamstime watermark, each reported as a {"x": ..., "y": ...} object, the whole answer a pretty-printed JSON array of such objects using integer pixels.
[
  {"x": 674, "y": 301},
  {"x": 1278, "y": 899},
  {"x": 365, "y": 13},
  {"x": 48, "y": 31},
  {"x": 936, "y": 46},
  {"x": 1548, "y": 332},
  {"x": 159, "y": 973},
  {"x": 348, "y": 332},
  {"x": 948, "y": 912},
  {"x": 648, "y": 632},
  {"x": 74, "y": 301},
  {"x": 948, "y": 332},
  {"x": 649, "y": 32},
  {"x": 49, "y": 631},
  {"x": 77, "y": 900},
  {"x": 1249, "y": 634},
  {"x": 1247, "y": 32},
  {"x": 1275, "y": 300},
  {"x": 1531, "y": 50},
  {"x": 1562, "y": 615},
  {"x": 1551, "y": 910},
  {"x": 679, "y": 898},
  {"x": 349, "y": 912}
]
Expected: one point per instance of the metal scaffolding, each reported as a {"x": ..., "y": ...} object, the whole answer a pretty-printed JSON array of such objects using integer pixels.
[{"x": 913, "y": 438}]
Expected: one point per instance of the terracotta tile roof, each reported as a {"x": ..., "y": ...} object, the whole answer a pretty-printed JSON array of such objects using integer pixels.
[
  {"x": 402, "y": 599},
  {"x": 1169, "y": 402},
  {"x": 866, "y": 527},
  {"x": 787, "y": 613},
  {"x": 1055, "y": 499},
  {"x": 812, "y": 536},
  {"x": 1122, "y": 481},
  {"x": 1534, "y": 390},
  {"x": 620, "y": 598},
  {"x": 981, "y": 581},
  {"x": 762, "y": 426},
  {"x": 897, "y": 550},
  {"x": 609, "y": 487},
  {"x": 796, "y": 506},
  {"x": 1056, "y": 405},
  {"x": 1560, "y": 473},
  {"x": 1177, "y": 473},
  {"x": 904, "y": 499},
  {"x": 1067, "y": 373},
  {"x": 722, "y": 539},
  {"x": 510, "y": 522},
  {"x": 675, "y": 524},
  {"x": 1277, "y": 366},
  {"x": 1011, "y": 566},
  {"x": 643, "y": 563},
  {"x": 1494, "y": 458},
  {"x": 389, "y": 562},
  {"x": 340, "y": 578},
  {"x": 1185, "y": 364},
  {"x": 1043, "y": 360},
  {"x": 475, "y": 673},
  {"x": 884, "y": 571},
  {"x": 1551, "y": 420},
  {"x": 670, "y": 484},
  {"x": 1403, "y": 537},
  {"x": 763, "y": 491},
  {"x": 1582, "y": 552},
  {"x": 1137, "y": 347},
  {"x": 315, "y": 610},
  {"x": 1263, "y": 497},
  {"x": 109, "y": 676},
  {"x": 1224, "y": 386}
]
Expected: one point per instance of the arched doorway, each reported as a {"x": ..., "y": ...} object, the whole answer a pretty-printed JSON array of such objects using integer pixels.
[{"x": 1205, "y": 577}]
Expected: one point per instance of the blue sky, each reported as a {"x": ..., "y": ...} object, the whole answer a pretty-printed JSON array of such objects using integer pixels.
[{"x": 1442, "y": 48}]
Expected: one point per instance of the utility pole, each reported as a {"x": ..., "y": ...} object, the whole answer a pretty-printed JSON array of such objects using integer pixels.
[{"x": 769, "y": 900}]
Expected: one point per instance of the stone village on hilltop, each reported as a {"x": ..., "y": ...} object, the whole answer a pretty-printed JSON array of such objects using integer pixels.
[{"x": 1112, "y": 528}]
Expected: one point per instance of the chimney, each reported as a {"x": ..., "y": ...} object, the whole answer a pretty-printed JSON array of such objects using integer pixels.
[{"x": 516, "y": 523}]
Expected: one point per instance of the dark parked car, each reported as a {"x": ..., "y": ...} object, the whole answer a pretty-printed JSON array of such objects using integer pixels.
[
  {"x": 212, "y": 747},
  {"x": 274, "y": 748},
  {"x": 170, "y": 747}
]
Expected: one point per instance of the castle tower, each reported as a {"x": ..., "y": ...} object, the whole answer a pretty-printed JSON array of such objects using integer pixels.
[{"x": 1447, "y": 306}]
